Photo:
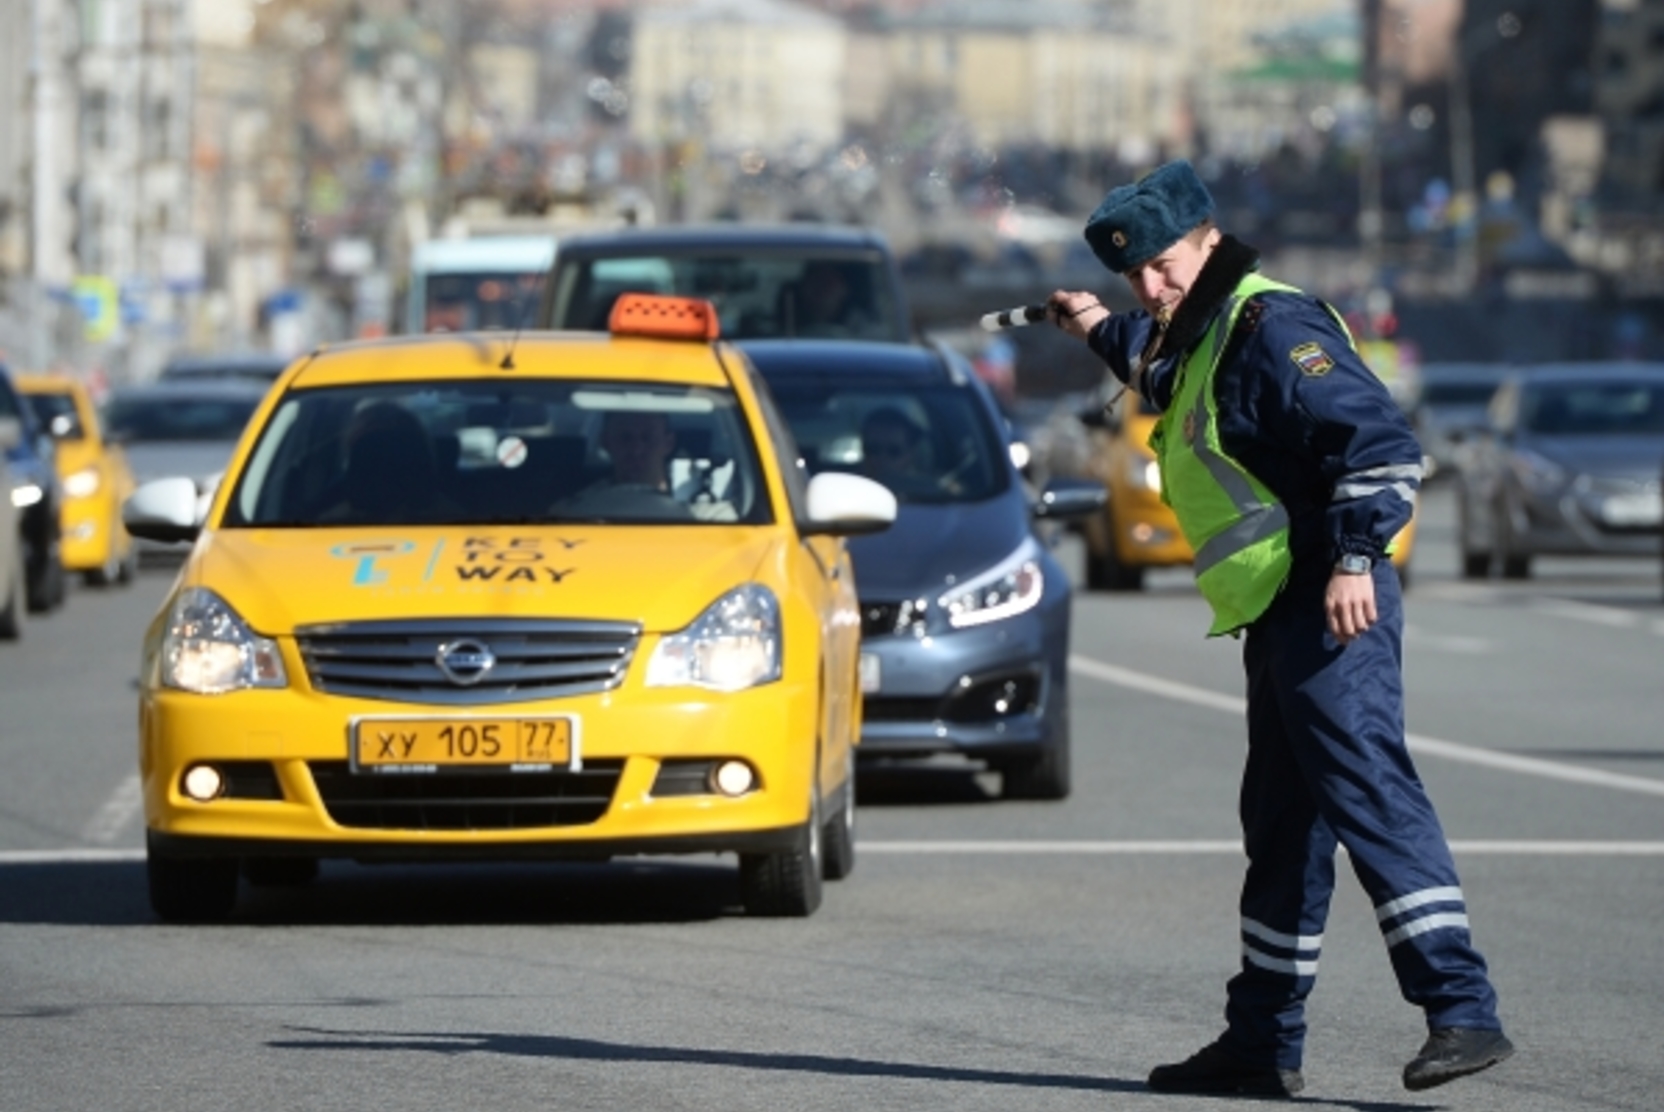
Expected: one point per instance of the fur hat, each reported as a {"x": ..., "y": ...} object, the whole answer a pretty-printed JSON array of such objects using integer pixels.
[{"x": 1137, "y": 222}]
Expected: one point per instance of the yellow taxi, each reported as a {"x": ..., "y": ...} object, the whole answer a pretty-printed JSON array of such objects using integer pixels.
[
  {"x": 1137, "y": 530},
  {"x": 95, "y": 477},
  {"x": 470, "y": 596}
]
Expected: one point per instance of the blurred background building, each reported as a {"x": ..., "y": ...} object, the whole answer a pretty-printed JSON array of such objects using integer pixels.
[{"x": 1480, "y": 178}]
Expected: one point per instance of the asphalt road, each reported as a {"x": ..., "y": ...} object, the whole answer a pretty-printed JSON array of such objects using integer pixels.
[{"x": 985, "y": 955}]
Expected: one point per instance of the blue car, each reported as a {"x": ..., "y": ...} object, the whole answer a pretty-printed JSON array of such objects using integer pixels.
[
  {"x": 965, "y": 612},
  {"x": 35, "y": 492}
]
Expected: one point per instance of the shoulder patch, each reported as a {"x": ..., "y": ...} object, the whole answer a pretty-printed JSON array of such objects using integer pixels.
[{"x": 1312, "y": 360}]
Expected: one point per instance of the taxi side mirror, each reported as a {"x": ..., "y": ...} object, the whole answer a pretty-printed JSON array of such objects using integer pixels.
[
  {"x": 843, "y": 505},
  {"x": 163, "y": 510}
]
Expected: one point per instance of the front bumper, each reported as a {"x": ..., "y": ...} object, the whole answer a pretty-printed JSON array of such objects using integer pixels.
[
  {"x": 982, "y": 692},
  {"x": 288, "y": 749}
]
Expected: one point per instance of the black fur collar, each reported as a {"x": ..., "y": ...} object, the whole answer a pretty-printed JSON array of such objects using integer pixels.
[{"x": 1230, "y": 262}]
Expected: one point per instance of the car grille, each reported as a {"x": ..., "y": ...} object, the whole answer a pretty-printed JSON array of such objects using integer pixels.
[
  {"x": 532, "y": 659},
  {"x": 466, "y": 800}
]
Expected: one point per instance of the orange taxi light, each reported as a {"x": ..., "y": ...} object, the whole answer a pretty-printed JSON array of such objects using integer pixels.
[{"x": 664, "y": 318}]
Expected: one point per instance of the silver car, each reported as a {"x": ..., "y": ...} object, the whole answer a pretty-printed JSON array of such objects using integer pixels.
[
  {"x": 1450, "y": 407},
  {"x": 1567, "y": 465}
]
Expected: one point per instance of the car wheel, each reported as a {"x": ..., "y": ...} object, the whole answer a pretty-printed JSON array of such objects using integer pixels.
[
  {"x": 1514, "y": 565},
  {"x": 280, "y": 872},
  {"x": 13, "y": 615},
  {"x": 1476, "y": 563},
  {"x": 129, "y": 567},
  {"x": 1106, "y": 572},
  {"x": 105, "y": 575},
  {"x": 786, "y": 884},
  {"x": 838, "y": 836},
  {"x": 191, "y": 889},
  {"x": 1045, "y": 775}
]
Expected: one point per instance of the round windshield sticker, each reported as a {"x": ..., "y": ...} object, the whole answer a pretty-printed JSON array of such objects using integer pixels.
[{"x": 511, "y": 451}]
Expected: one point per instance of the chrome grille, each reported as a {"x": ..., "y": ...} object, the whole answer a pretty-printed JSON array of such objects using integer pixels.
[{"x": 531, "y": 659}]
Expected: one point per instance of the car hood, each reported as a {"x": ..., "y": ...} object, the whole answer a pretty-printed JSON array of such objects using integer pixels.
[
  {"x": 197, "y": 460},
  {"x": 931, "y": 547},
  {"x": 1615, "y": 457},
  {"x": 278, "y": 579}
]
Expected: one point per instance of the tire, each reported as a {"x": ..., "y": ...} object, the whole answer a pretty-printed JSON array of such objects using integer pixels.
[
  {"x": 838, "y": 835},
  {"x": 43, "y": 576},
  {"x": 1513, "y": 565},
  {"x": 14, "y": 614},
  {"x": 787, "y": 884},
  {"x": 1107, "y": 572},
  {"x": 104, "y": 576},
  {"x": 1475, "y": 564},
  {"x": 1045, "y": 775},
  {"x": 128, "y": 569},
  {"x": 191, "y": 889},
  {"x": 280, "y": 872}
]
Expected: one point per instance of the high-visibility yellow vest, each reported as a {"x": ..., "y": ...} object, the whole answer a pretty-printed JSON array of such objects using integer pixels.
[{"x": 1235, "y": 525}]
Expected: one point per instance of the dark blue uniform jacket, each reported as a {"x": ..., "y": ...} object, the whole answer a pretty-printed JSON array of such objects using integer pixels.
[{"x": 1299, "y": 409}]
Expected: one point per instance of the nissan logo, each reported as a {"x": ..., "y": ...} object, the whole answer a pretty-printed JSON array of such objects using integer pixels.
[{"x": 464, "y": 663}]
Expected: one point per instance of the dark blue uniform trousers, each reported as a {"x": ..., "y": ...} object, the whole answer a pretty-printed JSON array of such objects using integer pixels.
[{"x": 1327, "y": 762}]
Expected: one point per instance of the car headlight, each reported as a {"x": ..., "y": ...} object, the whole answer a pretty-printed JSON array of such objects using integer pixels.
[
  {"x": 1011, "y": 587},
  {"x": 208, "y": 649},
  {"x": 1537, "y": 473},
  {"x": 26, "y": 494},
  {"x": 1143, "y": 472},
  {"x": 82, "y": 484},
  {"x": 734, "y": 644}
]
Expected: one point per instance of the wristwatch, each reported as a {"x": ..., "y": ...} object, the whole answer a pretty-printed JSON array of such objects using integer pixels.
[{"x": 1353, "y": 564}]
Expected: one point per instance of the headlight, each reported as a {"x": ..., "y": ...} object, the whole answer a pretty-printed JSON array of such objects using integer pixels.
[
  {"x": 209, "y": 650},
  {"x": 26, "y": 494},
  {"x": 82, "y": 484},
  {"x": 1538, "y": 473},
  {"x": 733, "y": 645},
  {"x": 1009, "y": 588},
  {"x": 1144, "y": 472}
]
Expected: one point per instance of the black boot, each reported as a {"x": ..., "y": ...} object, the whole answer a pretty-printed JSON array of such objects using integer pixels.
[
  {"x": 1452, "y": 1052},
  {"x": 1214, "y": 1069}
]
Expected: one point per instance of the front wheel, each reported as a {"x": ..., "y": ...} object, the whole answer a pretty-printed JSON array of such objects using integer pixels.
[
  {"x": 1107, "y": 572},
  {"x": 13, "y": 614},
  {"x": 838, "y": 836},
  {"x": 191, "y": 889},
  {"x": 1042, "y": 775},
  {"x": 786, "y": 884}
]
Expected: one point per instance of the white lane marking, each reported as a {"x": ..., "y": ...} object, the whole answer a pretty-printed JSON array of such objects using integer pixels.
[
  {"x": 1420, "y": 744},
  {"x": 74, "y": 856},
  {"x": 1585, "y": 612},
  {"x": 1090, "y": 848},
  {"x": 117, "y": 811},
  {"x": 1444, "y": 642}
]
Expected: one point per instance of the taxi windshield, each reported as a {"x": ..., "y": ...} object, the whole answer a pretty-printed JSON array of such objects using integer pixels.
[
  {"x": 57, "y": 412},
  {"x": 927, "y": 443},
  {"x": 479, "y": 453}
]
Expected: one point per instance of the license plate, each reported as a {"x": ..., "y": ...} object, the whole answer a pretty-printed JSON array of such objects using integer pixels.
[
  {"x": 871, "y": 673},
  {"x": 1632, "y": 509},
  {"x": 427, "y": 744}
]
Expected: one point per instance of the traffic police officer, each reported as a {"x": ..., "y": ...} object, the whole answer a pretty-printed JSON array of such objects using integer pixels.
[{"x": 1290, "y": 470}]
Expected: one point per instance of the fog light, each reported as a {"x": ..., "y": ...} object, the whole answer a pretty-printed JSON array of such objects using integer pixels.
[
  {"x": 203, "y": 783},
  {"x": 733, "y": 778}
]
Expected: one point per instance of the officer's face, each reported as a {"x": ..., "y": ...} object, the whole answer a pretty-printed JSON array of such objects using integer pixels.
[{"x": 1163, "y": 282}]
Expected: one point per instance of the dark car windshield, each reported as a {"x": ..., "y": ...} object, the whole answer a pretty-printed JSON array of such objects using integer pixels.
[
  {"x": 1457, "y": 393},
  {"x": 1584, "y": 408},
  {"x": 472, "y": 452},
  {"x": 927, "y": 443},
  {"x": 758, "y": 295},
  {"x": 164, "y": 417},
  {"x": 57, "y": 412}
]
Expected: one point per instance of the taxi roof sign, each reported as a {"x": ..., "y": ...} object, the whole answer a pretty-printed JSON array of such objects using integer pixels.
[{"x": 664, "y": 318}]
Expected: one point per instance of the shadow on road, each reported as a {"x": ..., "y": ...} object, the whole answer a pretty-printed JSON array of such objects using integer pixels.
[
  {"x": 912, "y": 785},
  {"x": 595, "y": 1050},
  {"x": 114, "y": 894}
]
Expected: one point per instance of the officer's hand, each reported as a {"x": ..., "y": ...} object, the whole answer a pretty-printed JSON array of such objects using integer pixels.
[
  {"x": 1349, "y": 605},
  {"x": 1076, "y": 312}
]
